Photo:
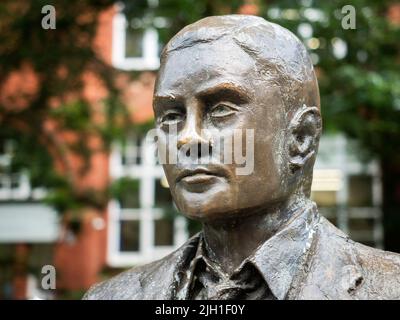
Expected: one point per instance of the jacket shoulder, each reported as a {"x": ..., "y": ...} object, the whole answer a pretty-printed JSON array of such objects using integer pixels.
[
  {"x": 125, "y": 285},
  {"x": 154, "y": 280},
  {"x": 364, "y": 272},
  {"x": 381, "y": 272}
]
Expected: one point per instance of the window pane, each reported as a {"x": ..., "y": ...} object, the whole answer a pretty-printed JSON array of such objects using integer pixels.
[
  {"x": 129, "y": 235},
  {"x": 360, "y": 191},
  {"x": 163, "y": 195},
  {"x": 15, "y": 181},
  {"x": 361, "y": 224},
  {"x": 126, "y": 190},
  {"x": 193, "y": 227},
  {"x": 161, "y": 45},
  {"x": 134, "y": 42},
  {"x": 131, "y": 154},
  {"x": 164, "y": 232},
  {"x": 164, "y": 228},
  {"x": 330, "y": 213},
  {"x": 324, "y": 198}
]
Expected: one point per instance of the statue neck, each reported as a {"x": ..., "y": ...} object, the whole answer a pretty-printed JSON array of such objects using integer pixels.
[{"x": 230, "y": 242}]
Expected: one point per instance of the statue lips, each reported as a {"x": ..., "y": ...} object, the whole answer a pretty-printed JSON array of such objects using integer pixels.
[{"x": 200, "y": 176}]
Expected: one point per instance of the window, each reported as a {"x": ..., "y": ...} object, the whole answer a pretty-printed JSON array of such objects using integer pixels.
[
  {"x": 13, "y": 185},
  {"x": 360, "y": 191},
  {"x": 129, "y": 240},
  {"x": 131, "y": 152},
  {"x": 143, "y": 221},
  {"x": 164, "y": 226},
  {"x": 325, "y": 198},
  {"x": 163, "y": 198},
  {"x": 136, "y": 43},
  {"x": 164, "y": 232},
  {"x": 347, "y": 191}
]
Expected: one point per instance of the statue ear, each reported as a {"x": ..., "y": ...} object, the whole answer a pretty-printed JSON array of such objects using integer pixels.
[{"x": 304, "y": 131}]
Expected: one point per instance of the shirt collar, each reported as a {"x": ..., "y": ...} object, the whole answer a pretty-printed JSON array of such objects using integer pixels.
[{"x": 280, "y": 258}]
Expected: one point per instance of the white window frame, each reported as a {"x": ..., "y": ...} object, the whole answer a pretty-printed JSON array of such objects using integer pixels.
[
  {"x": 150, "y": 59},
  {"x": 22, "y": 190},
  {"x": 148, "y": 172}
]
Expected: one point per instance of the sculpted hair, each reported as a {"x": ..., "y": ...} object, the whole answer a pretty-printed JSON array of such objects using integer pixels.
[{"x": 279, "y": 54}]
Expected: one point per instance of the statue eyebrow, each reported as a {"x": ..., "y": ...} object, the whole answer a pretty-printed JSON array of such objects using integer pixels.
[
  {"x": 160, "y": 101},
  {"x": 220, "y": 91},
  {"x": 165, "y": 97},
  {"x": 225, "y": 90}
]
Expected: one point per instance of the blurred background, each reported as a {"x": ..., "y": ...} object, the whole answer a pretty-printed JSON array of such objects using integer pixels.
[{"x": 82, "y": 191}]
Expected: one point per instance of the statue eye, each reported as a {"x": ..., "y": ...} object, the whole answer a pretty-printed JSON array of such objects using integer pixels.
[
  {"x": 171, "y": 117},
  {"x": 222, "y": 110}
]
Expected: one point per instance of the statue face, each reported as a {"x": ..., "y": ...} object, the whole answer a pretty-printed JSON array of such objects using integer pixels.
[{"x": 218, "y": 87}]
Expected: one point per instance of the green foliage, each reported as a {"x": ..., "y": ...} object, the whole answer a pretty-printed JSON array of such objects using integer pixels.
[
  {"x": 74, "y": 115},
  {"x": 58, "y": 60}
]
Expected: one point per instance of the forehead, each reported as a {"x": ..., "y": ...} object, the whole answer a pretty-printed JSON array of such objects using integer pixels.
[{"x": 190, "y": 68}]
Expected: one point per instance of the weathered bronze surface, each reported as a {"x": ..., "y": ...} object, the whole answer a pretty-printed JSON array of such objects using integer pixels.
[{"x": 262, "y": 236}]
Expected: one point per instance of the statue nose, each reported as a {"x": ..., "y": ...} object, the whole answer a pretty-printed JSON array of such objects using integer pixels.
[
  {"x": 191, "y": 142},
  {"x": 191, "y": 137},
  {"x": 191, "y": 133}
]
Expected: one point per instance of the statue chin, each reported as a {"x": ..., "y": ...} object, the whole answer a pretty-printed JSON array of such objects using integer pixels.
[{"x": 202, "y": 206}]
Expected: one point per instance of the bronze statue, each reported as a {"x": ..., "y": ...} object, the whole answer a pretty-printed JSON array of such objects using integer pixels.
[{"x": 262, "y": 236}]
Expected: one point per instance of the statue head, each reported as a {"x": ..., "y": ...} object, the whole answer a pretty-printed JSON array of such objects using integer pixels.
[{"x": 245, "y": 80}]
